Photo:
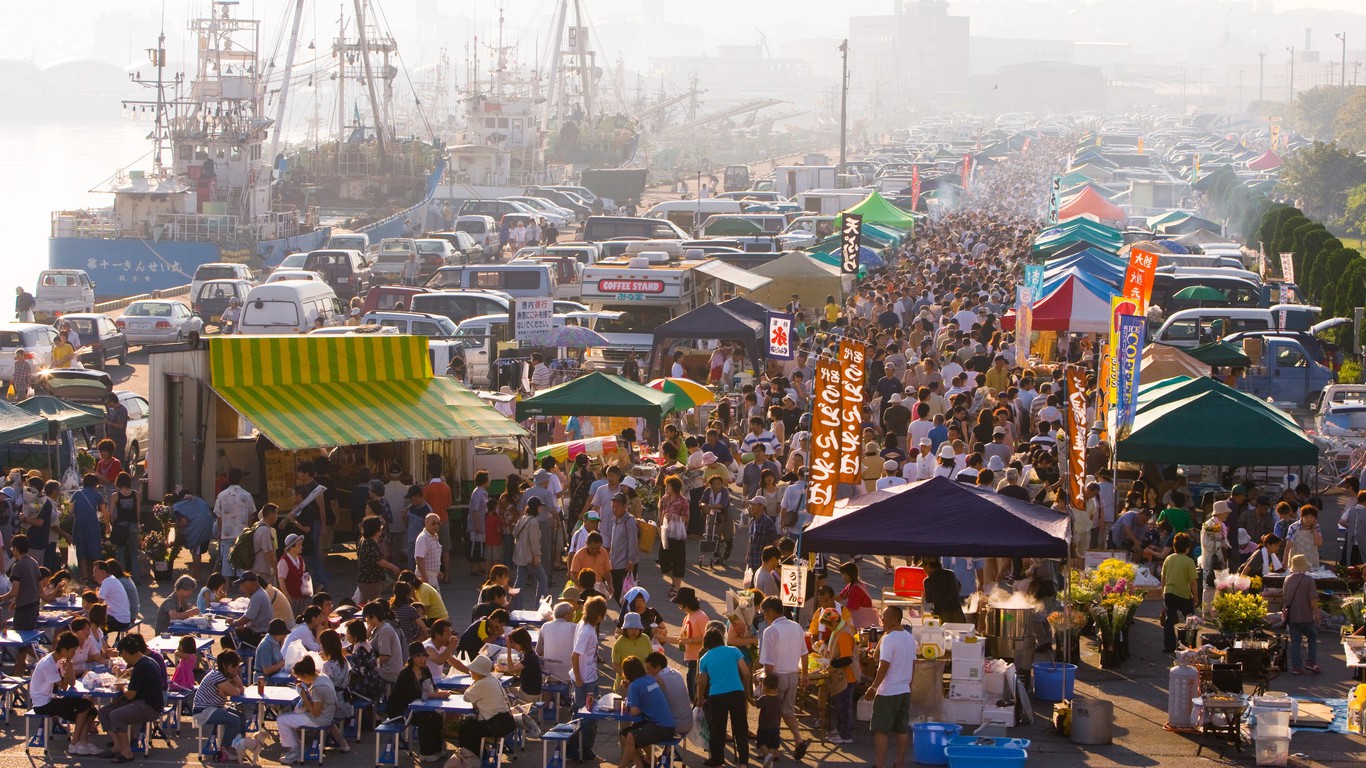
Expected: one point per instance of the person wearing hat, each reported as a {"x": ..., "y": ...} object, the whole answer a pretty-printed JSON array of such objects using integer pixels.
[
  {"x": 633, "y": 641},
  {"x": 289, "y": 573},
  {"x": 890, "y": 476},
  {"x": 621, "y": 536},
  {"x": 415, "y": 683},
  {"x": 256, "y": 622},
  {"x": 947, "y": 465},
  {"x": 270, "y": 652},
  {"x": 232, "y": 314},
  {"x": 1214, "y": 545},
  {"x": 1302, "y": 615},
  {"x": 178, "y": 606},
  {"x": 763, "y": 531},
  {"x": 1237, "y": 505},
  {"x": 998, "y": 447},
  {"x": 592, "y": 521}
]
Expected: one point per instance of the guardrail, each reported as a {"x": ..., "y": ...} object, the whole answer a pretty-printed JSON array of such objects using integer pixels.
[{"x": 109, "y": 306}]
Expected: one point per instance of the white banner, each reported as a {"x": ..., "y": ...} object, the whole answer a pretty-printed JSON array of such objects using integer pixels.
[
  {"x": 792, "y": 584},
  {"x": 534, "y": 319}
]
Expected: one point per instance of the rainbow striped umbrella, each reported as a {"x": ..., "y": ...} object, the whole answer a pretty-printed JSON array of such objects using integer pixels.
[
  {"x": 687, "y": 393},
  {"x": 568, "y": 451}
]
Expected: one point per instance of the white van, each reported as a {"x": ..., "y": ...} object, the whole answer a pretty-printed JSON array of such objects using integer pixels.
[
  {"x": 691, "y": 215},
  {"x": 290, "y": 306},
  {"x": 526, "y": 279},
  {"x": 1193, "y": 327}
]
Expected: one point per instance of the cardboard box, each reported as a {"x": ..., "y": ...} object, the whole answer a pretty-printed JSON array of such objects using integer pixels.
[
  {"x": 972, "y": 648},
  {"x": 999, "y": 715},
  {"x": 961, "y": 712},
  {"x": 966, "y": 690},
  {"x": 994, "y": 683},
  {"x": 966, "y": 669}
]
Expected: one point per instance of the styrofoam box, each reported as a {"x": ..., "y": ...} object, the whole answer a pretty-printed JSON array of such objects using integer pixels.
[
  {"x": 961, "y": 712},
  {"x": 974, "y": 648},
  {"x": 966, "y": 690},
  {"x": 995, "y": 683},
  {"x": 999, "y": 715},
  {"x": 1271, "y": 751},
  {"x": 966, "y": 669}
]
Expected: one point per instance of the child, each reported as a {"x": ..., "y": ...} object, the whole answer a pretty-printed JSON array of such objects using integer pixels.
[
  {"x": 187, "y": 659},
  {"x": 767, "y": 738}
]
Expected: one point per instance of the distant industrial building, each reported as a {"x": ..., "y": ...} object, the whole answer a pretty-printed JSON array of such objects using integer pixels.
[{"x": 916, "y": 55}]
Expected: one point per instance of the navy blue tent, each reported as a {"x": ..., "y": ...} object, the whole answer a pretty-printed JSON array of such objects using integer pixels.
[{"x": 940, "y": 518}]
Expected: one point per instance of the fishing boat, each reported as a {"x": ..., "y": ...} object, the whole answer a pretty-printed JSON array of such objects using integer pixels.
[{"x": 220, "y": 188}]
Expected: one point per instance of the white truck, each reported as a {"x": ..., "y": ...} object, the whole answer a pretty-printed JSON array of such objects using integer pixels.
[
  {"x": 62, "y": 292},
  {"x": 791, "y": 180},
  {"x": 831, "y": 201}
]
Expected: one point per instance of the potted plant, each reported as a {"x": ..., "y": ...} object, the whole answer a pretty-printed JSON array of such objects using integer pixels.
[
  {"x": 1067, "y": 625},
  {"x": 1237, "y": 613}
]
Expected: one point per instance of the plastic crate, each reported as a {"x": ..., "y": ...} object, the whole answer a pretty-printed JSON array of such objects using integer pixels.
[{"x": 973, "y": 756}]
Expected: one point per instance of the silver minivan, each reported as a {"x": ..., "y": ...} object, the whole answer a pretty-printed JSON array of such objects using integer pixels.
[{"x": 524, "y": 279}]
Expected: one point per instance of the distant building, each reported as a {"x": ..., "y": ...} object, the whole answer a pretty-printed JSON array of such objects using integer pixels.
[
  {"x": 1043, "y": 86},
  {"x": 917, "y": 55}
]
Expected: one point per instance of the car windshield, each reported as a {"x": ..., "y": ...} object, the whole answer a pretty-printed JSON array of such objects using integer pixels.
[
  {"x": 293, "y": 261},
  {"x": 214, "y": 273},
  {"x": 148, "y": 309},
  {"x": 267, "y": 313},
  {"x": 429, "y": 246},
  {"x": 1353, "y": 419},
  {"x": 83, "y": 326},
  {"x": 470, "y": 226},
  {"x": 13, "y": 339}
]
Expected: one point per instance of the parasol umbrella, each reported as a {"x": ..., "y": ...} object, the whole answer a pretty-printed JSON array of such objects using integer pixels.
[
  {"x": 687, "y": 393},
  {"x": 568, "y": 451},
  {"x": 575, "y": 336},
  {"x": 1200, "y": 293}
]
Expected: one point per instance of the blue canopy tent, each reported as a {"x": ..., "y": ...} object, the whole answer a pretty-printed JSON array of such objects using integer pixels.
[
  {"x": 940, "y": 518},
  {"x": 1097, "y": 285}
]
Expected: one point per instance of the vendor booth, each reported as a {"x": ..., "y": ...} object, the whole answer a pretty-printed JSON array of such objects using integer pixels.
[
  {"x": 263, "y": 403},
  {"x": 709, "y": 322},
  {"x": 796, "y": 272}
]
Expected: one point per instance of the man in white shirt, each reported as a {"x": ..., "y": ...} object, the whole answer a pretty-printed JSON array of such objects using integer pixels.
[
  {"x": 891, "y": 688},
  {"x": 232, "y": 510},
  {"x": 921, "y": 426},
  {"x": 889, "y": 478},
  {"x": 782, "y": 652},
  {"x": 115, "y": 596},
  {"x": 427, "y": 550},
  {"x": 920, "y": 466},
  {"x": 440, "y": 648},
  {"x": 54, "y": 671},
  {"x": 602, "y": 497},
  {"x": 757, "y": 434},
  {"x": 540, "y": 373}
]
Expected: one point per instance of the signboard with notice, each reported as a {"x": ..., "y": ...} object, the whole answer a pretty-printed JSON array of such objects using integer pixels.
[
  {"x": 792, "y": 584},
  {"x": 534, "y": 319},
  {"x": 280, "y": 478}
]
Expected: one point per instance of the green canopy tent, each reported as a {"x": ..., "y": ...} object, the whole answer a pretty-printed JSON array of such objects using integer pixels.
[
  {"x": 1219, "y": 353},
  {"x": 875, "y": 209},
  {"x": 60, "y": 414},
  {"x": 1078, "y": 230},
  {"x": 1214, "y": 427},
  {"x": 731, "y": 226},
  {"x": 599, "y": 394},
  {"x": 18, "y": 424},
  {"x": 1176, "y": 388}
]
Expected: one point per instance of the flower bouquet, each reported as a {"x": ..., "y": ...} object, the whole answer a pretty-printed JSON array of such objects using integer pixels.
[
  {"x": 1238, "y": 612},
  {"x": 1067, "y": 626}
]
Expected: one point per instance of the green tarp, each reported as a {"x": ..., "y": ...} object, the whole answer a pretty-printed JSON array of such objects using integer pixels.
[
  {"x": 1219, "y": 353},
  {"x": 599, "y": 394},
  {"x": 18, "y": 424},
  {"x": 1078, "y": 230},
  {"x": 731, "y": 226},
  {"x": 1200, "y": 421},
  {"x": 875, "y": 209},
  {"x": 61, "y": 413}
]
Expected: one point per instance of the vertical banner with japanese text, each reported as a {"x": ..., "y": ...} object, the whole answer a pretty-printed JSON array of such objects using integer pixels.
[
  {"x": 915, "y": 188},
  {"x": 851, "y": 239},
  {"x": 967, "y": 171},
  {"x": 1024, "y": 319},
  {"x": 826, "y": 417},
  {"x": 1076, "y": 434},
  {"x": 1138, "y": 278},
  {"x": 1120, "y": 306},
  {"x": 780, "y": 336},
  {"x": 1126, "y": 358},
  {"x": 852, "y": 370}
]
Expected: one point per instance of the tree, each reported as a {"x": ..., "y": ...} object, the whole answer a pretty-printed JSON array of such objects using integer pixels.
[
  {"x": 1318, "y": 176},
  {"x": 1354, "y": 218},
  {"x": 1315, "y": 112},
  {"x": 1309, "y": 268},
  {"x": 1350, "y": 288},
  {"x": 1284, "y": 240},
  {"x": 1350, "y": 123}
]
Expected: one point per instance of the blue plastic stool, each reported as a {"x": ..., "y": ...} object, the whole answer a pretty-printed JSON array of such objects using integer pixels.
[
  {"x": 387, "y": 735},
  {"x": 550, "y": 712},
  {"x": 553, "y": 744},
  {"x": 212, "y": 745},
  {"x": 491, "y": 753},
  {"x": 666, "y": 752},
  {"x": 313, "y": 748},
  {"x": 40, "y": 739}
]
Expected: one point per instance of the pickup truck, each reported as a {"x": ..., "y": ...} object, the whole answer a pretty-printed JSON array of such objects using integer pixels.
[
  {"x": 62, "y": 292},
  {"x": 1284, "y": 370}
]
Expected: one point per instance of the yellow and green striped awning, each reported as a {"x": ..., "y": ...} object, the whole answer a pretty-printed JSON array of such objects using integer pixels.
[{"x": 323, "y": 391}]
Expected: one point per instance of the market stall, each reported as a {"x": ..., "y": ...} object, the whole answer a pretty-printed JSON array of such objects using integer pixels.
[
  {"x": 796, "y": 272},
  {"x": 709, "y": 322},
  {"x": 599, "y": 394}
]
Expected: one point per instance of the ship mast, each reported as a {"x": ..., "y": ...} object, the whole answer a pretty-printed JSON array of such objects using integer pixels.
[
  {"x": 380, "y": 124},
  {"x": 284, "y": 86},
  {"x": 161, "y": 132}
]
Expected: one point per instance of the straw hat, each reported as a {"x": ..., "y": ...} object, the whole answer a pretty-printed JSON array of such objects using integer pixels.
[{"x": 1299, "y": 564}]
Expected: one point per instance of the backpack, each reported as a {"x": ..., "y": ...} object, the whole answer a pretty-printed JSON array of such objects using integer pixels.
[
  {"x": 242, "y": 556},
  {"x": 363, "y": 678}
]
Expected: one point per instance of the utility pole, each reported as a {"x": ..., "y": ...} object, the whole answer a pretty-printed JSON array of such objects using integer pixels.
[
  {"x": 1291, "y": 97},
  {"x": 1261, "y": 77},
  {"x": 1343, "y": 37},
  {"x": 844, "y": 110},
  {"x": 284, "y": 84}
]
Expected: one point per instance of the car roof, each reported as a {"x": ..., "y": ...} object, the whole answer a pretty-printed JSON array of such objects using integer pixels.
[
  {"x": 21, "y": 326},
  {"x": 405, "y": 314}
]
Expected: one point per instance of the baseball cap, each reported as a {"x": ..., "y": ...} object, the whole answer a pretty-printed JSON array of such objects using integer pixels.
[
  {"x": 247, "y": 576},
  {"x": 998, "y": 431},
  {"x": 889, "y": 465},
  {"x": 926, "y": 441},
  {"x": 592, "y": 515},
  {"x": 621, "y": 497}
]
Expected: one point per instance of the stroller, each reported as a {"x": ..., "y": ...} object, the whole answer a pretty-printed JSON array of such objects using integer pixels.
[{"x": 717, "y": 539}]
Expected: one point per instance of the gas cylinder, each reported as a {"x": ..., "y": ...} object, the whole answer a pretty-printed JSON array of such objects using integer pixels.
[{"x": 1183, "y": 685}]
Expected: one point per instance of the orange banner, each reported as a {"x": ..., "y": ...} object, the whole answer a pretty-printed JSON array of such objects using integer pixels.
[
  {"x": 1138, "y": 278},
  {"x": 826, "y": 417},
  {"x": 1076, "y": 434},
  {"x": 852, "y": 370}
]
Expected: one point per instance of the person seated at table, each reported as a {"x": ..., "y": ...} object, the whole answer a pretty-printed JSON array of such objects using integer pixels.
[
  {"x": 58, "y": 671},
  {"x": 134, "y": 596},
  {"x": 433, "y": 605},
  {"x": 595, "y": 556},
  {"x": 499, "y": 575},
  {"x": 408, "y": 614},
  {"x": 53, "y": 584},
  {"x": 142, "y": 698},
  {"x": 556, "y": 641},
  {"x": 942, "y": 590},
  {"x": 177, "y": 606},
  {"x": 645, "y": 699},
  {"x": 92, "y": 651},
  {"x": 210, "y": 706},
  {"x": 317, "y": 707},
  {"x": 304, "y": 637},
  {"x": 270, "y": 652},
  {"x": 440, "y": 647},
  {"x": 477, "y": 635},
  {"x": 337, "y": 669},
  {"x": 675, "y": 690},
  {"x": 415, "y": 683},
  {"x": 253, "y": 624},
  {"x": 1265, "y": 558},
  {"x": 530, "y": 679},
  {"x": 186, "y": 664},
  {"x": 632, "y": 642},
  {"x": 325, "y": 603},
  {"x": 490, "y": 599},
  {"x": 492, "y": 717},
  {"x": 215, "y": 590}
]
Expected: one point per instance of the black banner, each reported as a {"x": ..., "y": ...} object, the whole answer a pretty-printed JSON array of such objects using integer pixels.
[{"x": 851, "y": 237}]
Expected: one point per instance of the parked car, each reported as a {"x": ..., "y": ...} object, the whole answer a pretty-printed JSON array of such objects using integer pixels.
[
  {"x": 281, "y": 275},
  {"x": 75, "y": 385},
  {"x": 34, "y": 338},
  {"x": 136, "y": 431},
  {"x": 391, "y": 297},
  {"x": 292, "y": 261},
  {"x": 415, "y": 323},
  {"x": 565, "y": 199},
  {"x": 467, "y": 249},
  {"x": 219, "y": 270},
  {"x": 482, "y": 228},
  {"x": 101, "y": 339},
  {"x": 355, "y": 330},
  {"x": 159, "y": 321},
  {"x": 213, "y": 298},
  {"x": 290, "y": 306},
  {"x": 61, "y": 292},
  {"x": 388, "y": 264},
  {"x": 433, "y": 253},
  {"x": 347, "y": 271}
]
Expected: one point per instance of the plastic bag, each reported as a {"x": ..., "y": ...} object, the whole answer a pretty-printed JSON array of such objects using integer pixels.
[
  {"x": 547, "y": 608},
  {"x": 628, "y": 583},
  {"x": 700, "y": 735},
  {"x": 306, "y": 585}
]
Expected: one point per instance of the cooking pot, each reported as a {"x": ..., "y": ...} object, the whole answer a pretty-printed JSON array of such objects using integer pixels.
[{"x": 1002, "y": 627}]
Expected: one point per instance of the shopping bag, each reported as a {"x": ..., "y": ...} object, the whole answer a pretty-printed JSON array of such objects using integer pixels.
[{"x": 306, "y": 585}]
